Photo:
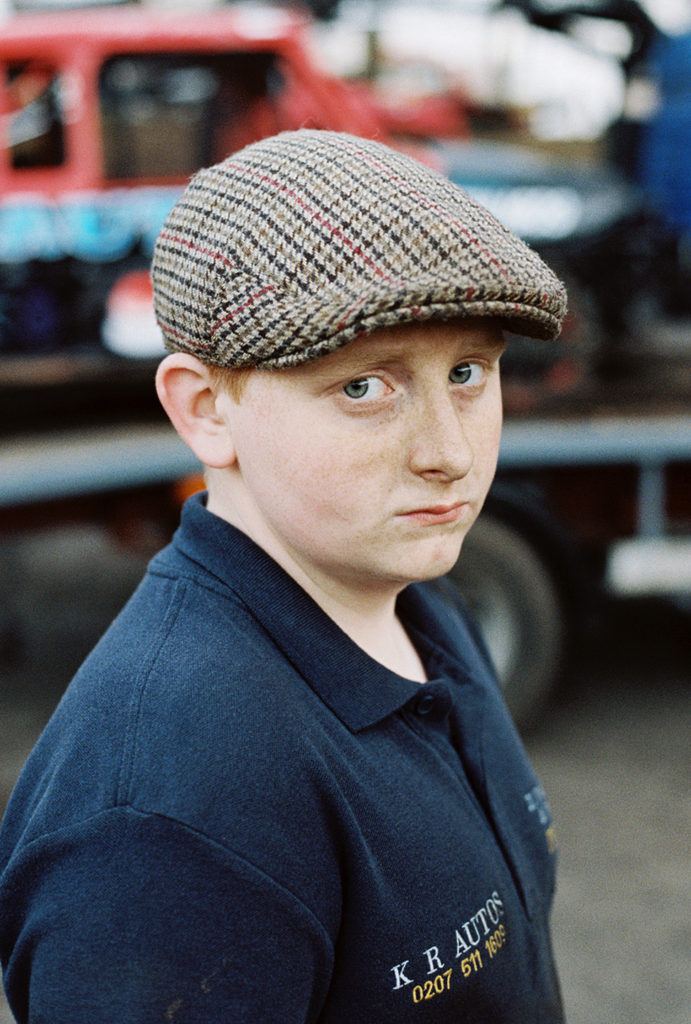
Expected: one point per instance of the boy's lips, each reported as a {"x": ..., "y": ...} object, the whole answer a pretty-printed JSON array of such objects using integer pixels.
[{"x": 432, "y": 514}]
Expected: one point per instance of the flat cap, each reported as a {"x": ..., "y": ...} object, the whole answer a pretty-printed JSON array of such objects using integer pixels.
[{"x": 302, "y": 242}]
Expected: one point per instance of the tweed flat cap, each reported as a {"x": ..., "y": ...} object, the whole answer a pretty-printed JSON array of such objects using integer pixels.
[{"x": 300, "y": 243}]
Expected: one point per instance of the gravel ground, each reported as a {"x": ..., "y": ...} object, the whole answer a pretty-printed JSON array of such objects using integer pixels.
[{"x": 613, "y": 753}]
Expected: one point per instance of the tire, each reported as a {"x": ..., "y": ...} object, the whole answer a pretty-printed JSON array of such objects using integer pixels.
[{"x": 515, "y": 600}]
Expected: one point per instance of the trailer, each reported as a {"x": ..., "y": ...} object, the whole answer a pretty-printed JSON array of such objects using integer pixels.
[
  {"x": 585, "y": 510},
  {"x": 593, "y": 494},
  {"x": 583, "y": 507}
]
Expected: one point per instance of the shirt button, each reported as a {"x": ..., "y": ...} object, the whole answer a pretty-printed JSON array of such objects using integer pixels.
[{"x": 425, "y": 704}]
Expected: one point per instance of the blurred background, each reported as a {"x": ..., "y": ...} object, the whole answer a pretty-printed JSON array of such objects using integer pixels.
[{"x": 571, "y": 120}]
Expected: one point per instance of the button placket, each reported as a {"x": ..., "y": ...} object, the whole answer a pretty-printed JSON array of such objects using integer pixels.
[{"x": 429, "y": 714}]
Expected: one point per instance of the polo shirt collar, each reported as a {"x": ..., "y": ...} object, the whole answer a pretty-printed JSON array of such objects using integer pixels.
[{"x": 357, "y": 688}]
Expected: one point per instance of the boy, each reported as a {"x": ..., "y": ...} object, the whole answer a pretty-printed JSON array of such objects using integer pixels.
[{"x": 284, "y": 788}]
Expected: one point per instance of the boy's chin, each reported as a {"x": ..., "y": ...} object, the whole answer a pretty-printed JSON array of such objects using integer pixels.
[{"x": 434, "y": 568}]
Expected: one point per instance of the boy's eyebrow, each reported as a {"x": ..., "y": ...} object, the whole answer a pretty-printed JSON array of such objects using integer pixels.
[
  {"x": 325, "y": 375},
  {"x": 495, "y": 344},
  {"x": 393, "y": 352}
]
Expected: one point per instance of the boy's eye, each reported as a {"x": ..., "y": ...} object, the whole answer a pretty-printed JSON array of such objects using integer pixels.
[
  {"x": 466, "y": 373},
  {"x": 365, "y": 387}
]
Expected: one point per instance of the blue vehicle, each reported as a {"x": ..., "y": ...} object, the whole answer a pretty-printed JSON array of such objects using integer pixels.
[{"x": 642, "y": 260}]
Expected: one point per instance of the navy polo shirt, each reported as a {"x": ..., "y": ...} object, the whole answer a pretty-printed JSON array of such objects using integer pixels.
[{"x": 236, "y": 815}]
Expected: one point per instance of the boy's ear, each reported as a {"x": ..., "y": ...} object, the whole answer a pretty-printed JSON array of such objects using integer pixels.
[{"x": 185, "y": 392}]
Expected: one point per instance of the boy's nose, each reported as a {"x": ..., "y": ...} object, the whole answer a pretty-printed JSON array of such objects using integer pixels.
[{"x": 439, "y": 443}]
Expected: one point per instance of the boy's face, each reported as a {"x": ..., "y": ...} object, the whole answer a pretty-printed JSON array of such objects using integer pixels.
[{"x": 366, "y": 468}]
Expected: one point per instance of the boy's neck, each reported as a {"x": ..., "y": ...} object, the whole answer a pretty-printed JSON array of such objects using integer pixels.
[{"x": 375, "y": 628}]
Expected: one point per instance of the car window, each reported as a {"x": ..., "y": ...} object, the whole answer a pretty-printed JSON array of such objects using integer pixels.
[
  {"x": 165, "y": 115},
  {"x": 35, "y": 123}
]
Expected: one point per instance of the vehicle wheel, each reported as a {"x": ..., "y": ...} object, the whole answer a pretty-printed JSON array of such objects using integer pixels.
[{"x": 515, "y": 600}]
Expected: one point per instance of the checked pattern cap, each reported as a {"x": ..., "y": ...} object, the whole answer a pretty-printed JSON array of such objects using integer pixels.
[{"x": 300, "y": 243}]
